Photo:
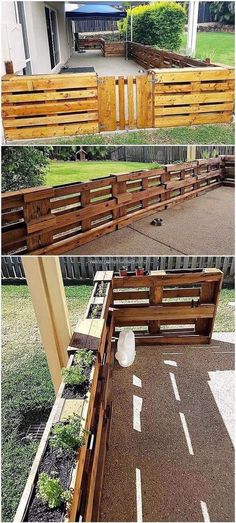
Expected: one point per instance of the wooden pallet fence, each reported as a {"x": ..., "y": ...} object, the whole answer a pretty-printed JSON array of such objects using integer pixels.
[
  {"x": 113, "y": 48},
  {"x": 85, "y": 481},
  {"x": 229, "y": 171},
  {"x": 49, "y": 105},
  {"x": 193, "y": 96},
  {"x": 53, "y": 220},
  {"x": 150, "y": 57},
  {"x": 175, "y": 90},
  {"x": 168, "y": 307}
]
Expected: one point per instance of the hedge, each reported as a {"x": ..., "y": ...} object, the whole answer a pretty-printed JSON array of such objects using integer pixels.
[{"x": 160, "y": 24}]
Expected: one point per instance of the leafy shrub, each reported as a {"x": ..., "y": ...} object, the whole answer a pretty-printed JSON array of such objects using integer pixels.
[
  {"x": 84, "y": 358},
  {"x": 160, "y": 24},
  {"x": 224, "y": 12},
  {"x": 68, "y": 435},
  {"x": 50, "y": 490},
  {"x": 74, "y": 375},
  {"x": 23, "y": 167}
]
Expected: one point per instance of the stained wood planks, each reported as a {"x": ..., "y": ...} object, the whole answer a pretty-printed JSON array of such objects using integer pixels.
[
  {"x": 49, "y": 105},
  {"x": 179, "y": 308},
  {"x": 199, "y": 96}
]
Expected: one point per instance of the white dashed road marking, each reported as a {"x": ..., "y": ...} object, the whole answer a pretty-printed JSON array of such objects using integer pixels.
[
  {"x": 137, "y": 407},
  {"x": 205, "y": 511},
  {"x": 139, "y": 496},
  {"x": 174, "y": 385},
  {"x": 186, "y": 433},
  {"x": 170, "y": 362},
  {"x": 136, "y": 381}
]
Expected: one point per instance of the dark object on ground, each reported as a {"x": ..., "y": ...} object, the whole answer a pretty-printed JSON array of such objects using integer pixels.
[
  {"x": 77, "y": 70},
  {"x": 157, "y": 222}
]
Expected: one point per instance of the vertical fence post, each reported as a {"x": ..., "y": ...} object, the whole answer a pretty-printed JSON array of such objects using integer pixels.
[
  {"x": 85, "y": 201},
  {"x": 38, "y": 217},
  {"x": 156, "y": 297},
  {"x": 46, "y": 288}
]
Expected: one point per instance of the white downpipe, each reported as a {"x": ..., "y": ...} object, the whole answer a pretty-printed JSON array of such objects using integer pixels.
[
  {"x": 192, "y": 27},
  {"x": 131, "y": 24}
]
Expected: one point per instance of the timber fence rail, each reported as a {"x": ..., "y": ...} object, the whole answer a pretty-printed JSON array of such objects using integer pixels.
[
  {"x": 53, "y": 220},
  {"x": 174, "y": 91},
  {"x": 168, "y": 307}
]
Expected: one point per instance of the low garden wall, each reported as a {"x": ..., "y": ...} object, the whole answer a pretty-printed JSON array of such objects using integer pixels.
[
  {"x": 163, "y": 307},
  {"x": 81, "y": 473},
  {"x": 175, "y": 91},
  {"x": 53, "y": 220}
]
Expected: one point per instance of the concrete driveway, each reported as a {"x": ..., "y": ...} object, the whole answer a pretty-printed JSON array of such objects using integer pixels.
[
  {"x": 201, "y": 226},
  {"x": 171, "y": 454}
]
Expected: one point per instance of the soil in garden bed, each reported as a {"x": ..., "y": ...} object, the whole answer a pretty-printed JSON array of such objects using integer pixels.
[
  {"x": 78, "y": 391},
  {"x": 95, "y": 311},
  {"x": 101, "y": 290},
  {"x": 52, "y": 461}
]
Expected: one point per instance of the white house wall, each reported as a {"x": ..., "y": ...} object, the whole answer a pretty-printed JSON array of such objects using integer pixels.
[{"x": 37, "y": 34}]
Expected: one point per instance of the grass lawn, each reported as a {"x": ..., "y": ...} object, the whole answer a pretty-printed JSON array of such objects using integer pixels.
[
  {"x": 219, "y": 47},
  {"x": 220, "y": 134},
  {"x": 26, "y": 385},
  {"x": 65, "y": 172}
]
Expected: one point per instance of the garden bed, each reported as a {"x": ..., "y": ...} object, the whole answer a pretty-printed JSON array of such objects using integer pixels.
[{"x": 84, "y": 399}]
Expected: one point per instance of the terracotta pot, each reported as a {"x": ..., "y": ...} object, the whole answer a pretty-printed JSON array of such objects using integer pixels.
[
  {"x": 123, "y": 272},
  {"x": 139, "y": 272}
]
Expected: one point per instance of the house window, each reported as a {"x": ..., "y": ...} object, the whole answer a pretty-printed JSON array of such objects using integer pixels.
[
  {"x": 20, "y": 16},
  {"x": 52, "y": 30}
]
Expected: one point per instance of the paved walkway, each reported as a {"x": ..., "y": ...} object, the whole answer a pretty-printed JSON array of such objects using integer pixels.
[
  {"x": 112, "y": 66},
  {"x": 202, "y": 226},
  {"x": 171, "y": 455}
]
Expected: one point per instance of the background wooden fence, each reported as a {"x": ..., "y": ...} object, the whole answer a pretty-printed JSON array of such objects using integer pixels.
[
  {"x": 55, "y": 220},
  {"x": 80, "y": 268},
  {"x": 165, "y": 154}
]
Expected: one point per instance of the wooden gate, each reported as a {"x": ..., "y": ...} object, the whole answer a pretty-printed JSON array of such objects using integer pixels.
[{"x": 125, "y": 102}]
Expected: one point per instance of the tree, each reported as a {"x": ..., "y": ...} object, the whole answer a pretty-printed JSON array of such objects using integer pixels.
[
  {"x": 223, "y": 12},
  {"x": 23, "y": 167}
]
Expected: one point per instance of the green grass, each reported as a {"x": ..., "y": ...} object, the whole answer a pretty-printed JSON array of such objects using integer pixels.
[
  {"x": 225, "y": 312},
  {"x": 26, "y": 383},
  {"x": 220, "y": 134},
  {"x": 219, "y": 47},
  {"x": 65, "y": 172}
]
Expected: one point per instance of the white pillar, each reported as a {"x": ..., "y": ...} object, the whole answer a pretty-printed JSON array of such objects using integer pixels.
[
  {"x": 131, "y": 25},
  {"x": 192, "y": 27},
  {"x": 44, "y": 280}
]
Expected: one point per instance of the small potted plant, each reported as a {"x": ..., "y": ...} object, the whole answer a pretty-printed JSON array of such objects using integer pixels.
[
  {"x": 123, "y": 271},
  {"x": 139, "y": 271}
]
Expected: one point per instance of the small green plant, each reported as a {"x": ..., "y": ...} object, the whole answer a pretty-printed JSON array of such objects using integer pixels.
[
  {"x": 101, "y": 289},
  {"x": 68, "y": 435},
  {"x": 51, "y": 492},
  {"x": 84, "y": 358},
  {"x": 95, "y": 311},
  {"x": 74, "y": 375}
]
